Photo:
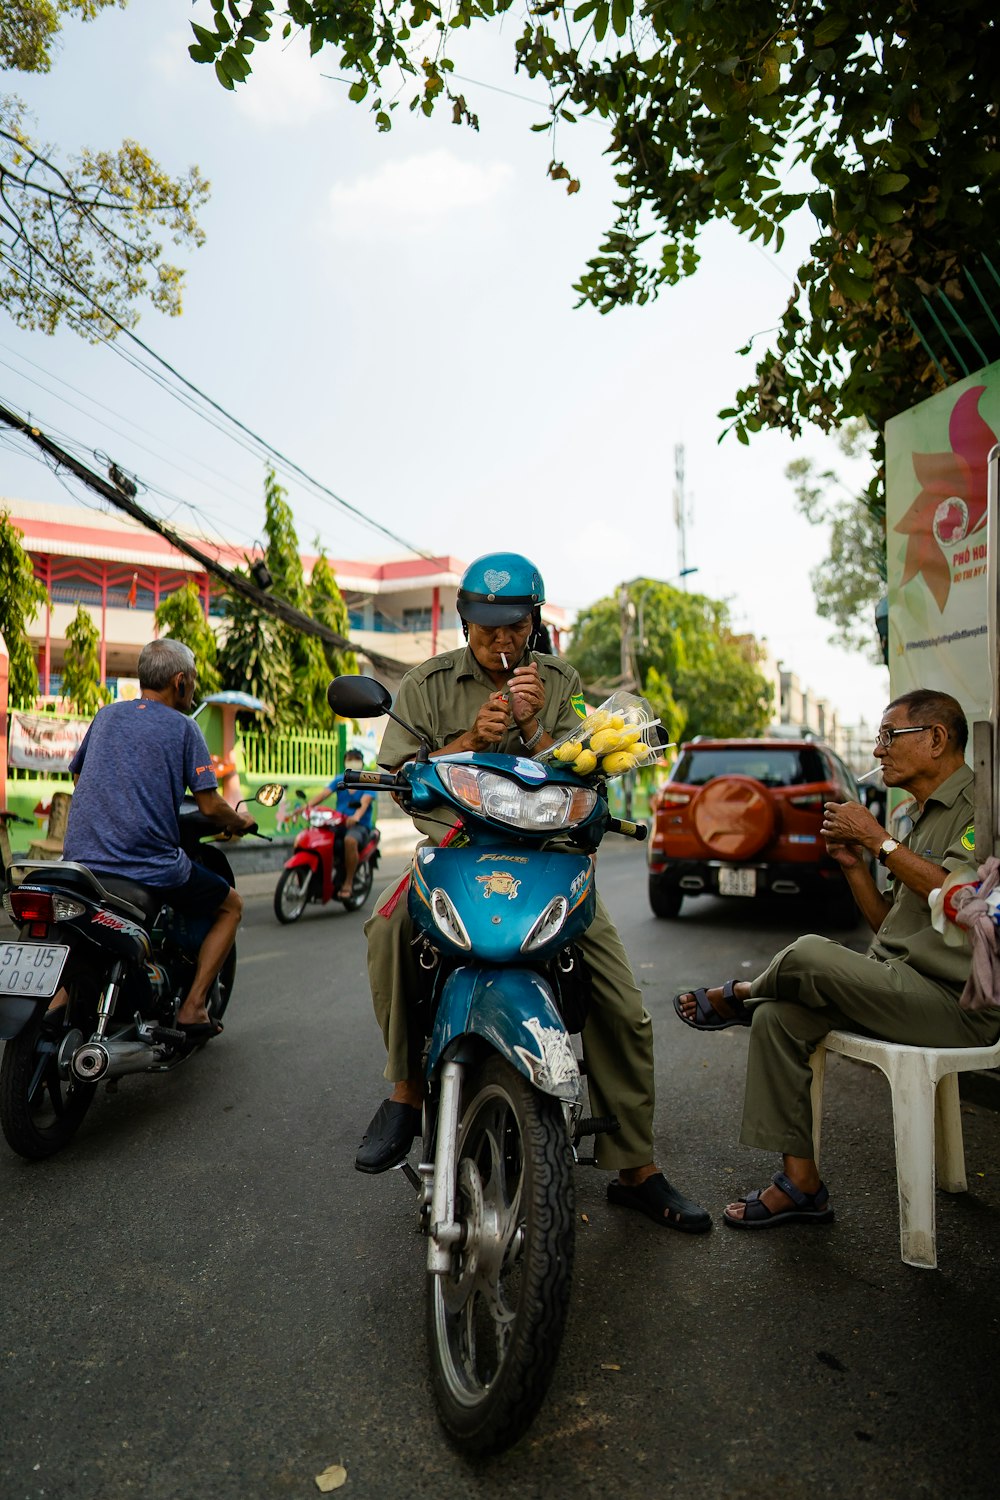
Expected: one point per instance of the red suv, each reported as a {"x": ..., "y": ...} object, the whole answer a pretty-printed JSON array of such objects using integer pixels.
[{"x": 742, "y": 818}]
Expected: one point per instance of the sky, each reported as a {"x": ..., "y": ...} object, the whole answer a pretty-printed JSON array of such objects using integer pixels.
[{"x": 395, "y": 313}]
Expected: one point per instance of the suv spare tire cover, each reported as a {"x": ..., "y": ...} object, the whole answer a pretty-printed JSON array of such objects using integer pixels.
[{"x": 733, "y": 816}]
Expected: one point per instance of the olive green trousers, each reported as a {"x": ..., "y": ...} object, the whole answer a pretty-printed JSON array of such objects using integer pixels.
[
  {"x": 815, "y": 986},
  {"x": 617, "y": 1038}
]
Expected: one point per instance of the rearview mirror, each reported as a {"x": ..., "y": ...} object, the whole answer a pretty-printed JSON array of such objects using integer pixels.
[
  {"x": 358, "y": 697},
  {"x": 270, "y": 794}
]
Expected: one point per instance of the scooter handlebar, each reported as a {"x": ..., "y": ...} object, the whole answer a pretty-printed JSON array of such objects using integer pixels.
[
  {"x": 384, "y": 781},
  {"x": 637, "y": 831}
]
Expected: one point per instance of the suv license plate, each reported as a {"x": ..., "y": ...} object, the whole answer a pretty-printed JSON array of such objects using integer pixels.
[
  {"x": 733, "y": 882},
  {"x": 31, "y": 969}
]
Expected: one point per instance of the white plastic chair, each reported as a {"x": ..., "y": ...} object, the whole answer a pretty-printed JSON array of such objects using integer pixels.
[{"x": 927, "y": 1123}]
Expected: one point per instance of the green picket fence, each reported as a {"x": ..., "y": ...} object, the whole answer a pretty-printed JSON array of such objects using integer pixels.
[{"x": 285, "y": 757}]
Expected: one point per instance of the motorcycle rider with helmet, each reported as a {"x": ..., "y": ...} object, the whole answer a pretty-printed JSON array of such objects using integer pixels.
[{"x": 500, "y": 694}]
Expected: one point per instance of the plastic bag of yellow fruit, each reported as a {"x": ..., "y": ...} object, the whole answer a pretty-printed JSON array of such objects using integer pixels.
[{"x": 619, "y": 736}]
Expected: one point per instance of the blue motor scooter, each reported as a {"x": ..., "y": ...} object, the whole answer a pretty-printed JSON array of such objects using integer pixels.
[{"x": 496, "y": 914}]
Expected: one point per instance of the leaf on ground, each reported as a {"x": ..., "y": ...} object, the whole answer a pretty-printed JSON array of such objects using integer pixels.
[
  {"x": 584, "y": 1218},
  {"x": 611, "y": 1367},
  {"x": 331, "y": 1478}
]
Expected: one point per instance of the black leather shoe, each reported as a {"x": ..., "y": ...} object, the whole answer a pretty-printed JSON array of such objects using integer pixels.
[{"x": 388, "y": 1137}]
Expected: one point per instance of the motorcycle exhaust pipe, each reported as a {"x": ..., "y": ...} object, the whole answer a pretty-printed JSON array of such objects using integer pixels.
[{"x": 112, "y": 1057}]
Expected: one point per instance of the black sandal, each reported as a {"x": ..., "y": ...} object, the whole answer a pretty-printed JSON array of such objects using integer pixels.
[
  {"x": 709, "y": 1017},
  {"x": 807, "y": 1208}
]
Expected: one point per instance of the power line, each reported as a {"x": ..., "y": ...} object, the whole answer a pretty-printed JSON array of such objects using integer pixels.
[
  {"x": 269, "y": 448},
  {"x": 269, "y": 604}
]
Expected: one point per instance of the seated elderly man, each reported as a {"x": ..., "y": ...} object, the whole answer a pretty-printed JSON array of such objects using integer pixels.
[{"x": 906, "y": 987}]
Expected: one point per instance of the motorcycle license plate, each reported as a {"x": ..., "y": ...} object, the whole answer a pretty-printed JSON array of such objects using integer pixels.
[
  {"x": 31, "y": 969},
  {"x": 734, "y": 882}
]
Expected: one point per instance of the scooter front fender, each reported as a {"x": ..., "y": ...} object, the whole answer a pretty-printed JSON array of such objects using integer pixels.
[{"x": 514, "y": 1011}]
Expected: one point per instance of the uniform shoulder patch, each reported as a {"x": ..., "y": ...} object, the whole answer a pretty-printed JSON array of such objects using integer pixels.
[
  {"x": 579, "y": 706},
  {"x": 969, "y": 838}
]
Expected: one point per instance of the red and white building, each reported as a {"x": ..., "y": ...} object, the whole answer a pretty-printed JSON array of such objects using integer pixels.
[{"x": 404, "y": 608}]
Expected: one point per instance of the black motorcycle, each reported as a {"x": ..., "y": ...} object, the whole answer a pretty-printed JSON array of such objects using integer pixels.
[{"x": 126, "y": 961}]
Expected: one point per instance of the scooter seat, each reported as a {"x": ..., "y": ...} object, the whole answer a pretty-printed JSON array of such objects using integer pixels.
[{"x": 131, "y": 894}]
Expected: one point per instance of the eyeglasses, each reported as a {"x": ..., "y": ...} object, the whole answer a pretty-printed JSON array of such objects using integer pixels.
[{"x": 885, "y": 737}]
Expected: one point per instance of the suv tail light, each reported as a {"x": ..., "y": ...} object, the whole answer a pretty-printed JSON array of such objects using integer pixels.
[
  {"x": 672, "y": 799},
  {"x": 812, "y": 800}
]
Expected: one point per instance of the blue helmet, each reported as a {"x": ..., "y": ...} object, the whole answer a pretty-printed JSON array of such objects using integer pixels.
[{"x": 500, "y": 589}]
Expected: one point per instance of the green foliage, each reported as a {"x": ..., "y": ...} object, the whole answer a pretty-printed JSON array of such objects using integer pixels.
[
  {"x": 326, "y": 604},
  {"x": 81, "y": 678},
  {"x": 254, "y": 657},
  {"x": 21, "y": 597},
  {"x": 848, "y": 584},
  {"x": 291, "y": 670},
  {"x": 881, "y": 122},
  {"x": 79, "y": 237},
  {"x": 182, "y": 616},
  {"x": 306, "y": 706},
  {"x": 699, "y": 676},
  {"x": 29, "y": 27}
]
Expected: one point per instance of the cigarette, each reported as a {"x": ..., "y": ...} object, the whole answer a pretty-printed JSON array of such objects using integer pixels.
[
  {"x": 869, "y": 774},
  {"x": 504, "y": 660}
]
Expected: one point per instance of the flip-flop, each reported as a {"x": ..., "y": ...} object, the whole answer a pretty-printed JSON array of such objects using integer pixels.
[
  {"x": 707, "y": 1016},
  {"x": 660, "y": 1201},
  {"x": 810, "y": 1208}
]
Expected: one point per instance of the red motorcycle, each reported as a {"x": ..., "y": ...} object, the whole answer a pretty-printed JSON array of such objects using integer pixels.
[{"x": 315, "y": 870}]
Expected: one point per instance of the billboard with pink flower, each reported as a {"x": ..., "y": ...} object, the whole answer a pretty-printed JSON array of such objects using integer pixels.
[{"x": 936, "y": 478}]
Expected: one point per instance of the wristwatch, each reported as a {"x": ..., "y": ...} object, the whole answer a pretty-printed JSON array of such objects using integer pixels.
[
  {"x": 532, "y": 740},
  {"x": 887, "y": 847}
]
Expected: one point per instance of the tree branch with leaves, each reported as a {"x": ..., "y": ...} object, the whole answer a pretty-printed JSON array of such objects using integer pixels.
[
  {"x": 881, "y": 123},
  {"x": 82, "y": 239}
]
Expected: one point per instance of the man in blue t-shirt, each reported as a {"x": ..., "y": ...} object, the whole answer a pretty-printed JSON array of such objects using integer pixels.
[
  {"x": 358, "y": 807},
  {"x": 131, "y": 772}
]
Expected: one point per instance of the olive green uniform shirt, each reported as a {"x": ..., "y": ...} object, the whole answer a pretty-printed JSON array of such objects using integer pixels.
[
  {"x": 442, "y": 697},
  {"x": 942, "y": 833}
]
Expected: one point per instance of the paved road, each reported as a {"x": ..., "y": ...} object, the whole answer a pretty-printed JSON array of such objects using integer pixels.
[{"x": 202, "y": 1298}]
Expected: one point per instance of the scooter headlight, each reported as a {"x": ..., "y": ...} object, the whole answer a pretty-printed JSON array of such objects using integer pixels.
[{"x": 535, "y": 809}]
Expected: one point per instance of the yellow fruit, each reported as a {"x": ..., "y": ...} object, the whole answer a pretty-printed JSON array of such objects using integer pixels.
[
  {"x": 617, "y": 721},
  {"x": 599, "y": 719},
  {"x": 617, "y": 762},
  {"x": 629, "y": 736},
  {"x": 642, "y": 752},
  {"x": 569, "y": 751},
  {"x": 606, "y": 740},
  {"x": 585, "y": 763}
]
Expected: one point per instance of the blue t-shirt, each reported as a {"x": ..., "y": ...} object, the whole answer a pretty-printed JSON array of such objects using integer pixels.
[
  {"x": 350, "y": 798},
  {"x": 134, "y": 765}
]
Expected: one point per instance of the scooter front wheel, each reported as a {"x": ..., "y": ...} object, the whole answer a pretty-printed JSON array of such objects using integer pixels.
[
  {"x": 495, "y": 1320},
  {"x": 291, "y": 894}
]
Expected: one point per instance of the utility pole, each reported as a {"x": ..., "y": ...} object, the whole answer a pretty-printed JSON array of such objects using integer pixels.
[{"x": 680, "y": 513}]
